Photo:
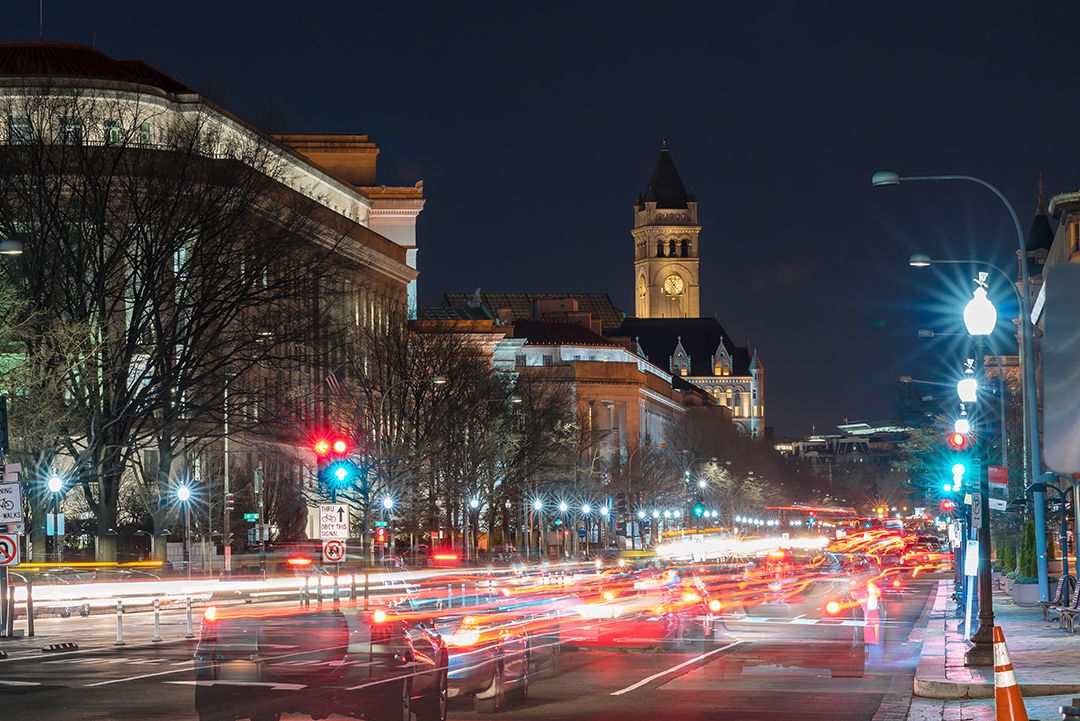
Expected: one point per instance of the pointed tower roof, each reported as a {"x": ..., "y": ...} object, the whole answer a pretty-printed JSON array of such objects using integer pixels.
[
  {"x": 755, "y": 362},
  {"x": 1041, "y": 235},
  {"x": 665, "y": 186}
]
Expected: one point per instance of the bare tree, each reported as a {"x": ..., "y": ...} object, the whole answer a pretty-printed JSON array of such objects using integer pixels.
[{"x": 173, "y": 245}]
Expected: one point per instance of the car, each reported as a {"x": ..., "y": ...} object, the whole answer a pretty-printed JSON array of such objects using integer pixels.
[
  {"x": 379, "y": 663},
  {"x": 489, "y": 657}
]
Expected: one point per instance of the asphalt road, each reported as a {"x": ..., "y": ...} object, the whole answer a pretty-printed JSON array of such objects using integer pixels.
[{"x": 747, "y": 681}]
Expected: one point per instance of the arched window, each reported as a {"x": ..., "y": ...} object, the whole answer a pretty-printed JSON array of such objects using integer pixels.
[
  {"x": 671, "y": 248},
  {"x": 659, "y": 249},
  {"x": 727, "y": 398},
  {"x": 736, "y": 402},
  {"x": 685, "y": 249}
]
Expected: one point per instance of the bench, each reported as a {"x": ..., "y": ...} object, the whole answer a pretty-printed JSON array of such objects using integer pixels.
[
  {"x": 1067, "y": 615},
  {"x": 1062, "y": 592}
]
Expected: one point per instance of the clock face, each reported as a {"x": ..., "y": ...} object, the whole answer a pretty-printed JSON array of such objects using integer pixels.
[{"x": 673, "y": 285}]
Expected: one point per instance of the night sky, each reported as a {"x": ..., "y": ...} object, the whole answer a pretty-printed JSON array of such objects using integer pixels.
[{"x": 534, "y": 125}]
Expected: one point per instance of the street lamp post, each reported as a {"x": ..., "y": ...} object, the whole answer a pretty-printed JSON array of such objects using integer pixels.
[
  {"x": 980, "y": 318},
  {"x": 884, "y": 178},
  {"x": 56, "y": 485},
  {"x": 183, "y": 494}
]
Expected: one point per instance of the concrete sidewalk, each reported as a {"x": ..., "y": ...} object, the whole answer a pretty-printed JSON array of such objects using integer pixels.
[{"x": 1046, "y": 660}]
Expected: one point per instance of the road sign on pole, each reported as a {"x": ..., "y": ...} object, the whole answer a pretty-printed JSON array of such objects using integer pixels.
[
  {"x": 333, "y": 550},
  {"x": 998, "y": 504},
  {"x": 11, "y": 510},
  {"x": 9, "y": 549},
  {"x": 333, "y": 521},
  {"x": 976, "y": 510}
]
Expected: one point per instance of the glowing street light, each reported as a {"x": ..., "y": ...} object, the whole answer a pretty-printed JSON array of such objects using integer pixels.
[
  {"x": 474, "y": 504},
  {"x": 183, "y": 494},
  {"x": 55, "y": 485},
  {"x": 968, "y": 390},
  {"x": 604, "y": 511},
  {"x": 641, "y": 514},
  {"x": 563, "y": 507},
  {"x": 980, "y": 315},
  {"x": 586, "y": 509},
  {"x": 388, "y": 503},
  {"x": 702, "y": 483},
  {"x": 538, "y": 505}
]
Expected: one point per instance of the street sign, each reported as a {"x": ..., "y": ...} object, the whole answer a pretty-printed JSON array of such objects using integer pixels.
[
  {"x": 333, "y": 521},
  {"x": 254, "y": 517},
  {"x": 976, "y": 510},
  {"x": 9, "y": 549},
  {"x": 333, "y": 550},
  {"x": 971, "y": 558},
  {"x": 380, "y": 524},
  {"x": 51, "y": 521},
  {"x": 10, "y": 503},
  {"x": 998, "y": 475},
  {"x": 11, "y": 472},
  {"x": 998, "y": 504}
]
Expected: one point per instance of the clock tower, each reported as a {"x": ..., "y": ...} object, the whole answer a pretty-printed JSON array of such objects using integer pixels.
[{"x": 666, "y": 246}]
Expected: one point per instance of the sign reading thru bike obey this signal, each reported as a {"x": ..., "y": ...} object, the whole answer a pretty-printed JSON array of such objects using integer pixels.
[{"x": 11, "y": 510}]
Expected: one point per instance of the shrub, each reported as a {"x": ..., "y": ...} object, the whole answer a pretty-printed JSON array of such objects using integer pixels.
[{"x": 1028, "y": 557}]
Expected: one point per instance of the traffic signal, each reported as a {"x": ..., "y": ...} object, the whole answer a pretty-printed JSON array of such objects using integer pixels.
[
  {"x": 380, "y": 535},
  {"x": 620, "y": 504},
  {"x": 948, "y": 506},
  {"x": 230, "y": 502},
  {"x": 699, "y": 510},
  {"x": 958, "y": 441}
]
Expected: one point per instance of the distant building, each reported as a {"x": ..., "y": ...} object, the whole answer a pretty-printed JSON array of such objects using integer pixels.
[{"x": 667, "y": 333}]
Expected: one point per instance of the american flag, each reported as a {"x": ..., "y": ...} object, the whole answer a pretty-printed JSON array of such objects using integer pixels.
[{"x": 334, "y": 380}]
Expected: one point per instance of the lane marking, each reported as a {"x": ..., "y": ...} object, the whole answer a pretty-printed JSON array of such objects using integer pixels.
[
  {"x": 675, "y": 668},
  {"x": 262, "y": 684},
  {"x": 18, "y": 683},
  {"x": 134, "y": 678}
]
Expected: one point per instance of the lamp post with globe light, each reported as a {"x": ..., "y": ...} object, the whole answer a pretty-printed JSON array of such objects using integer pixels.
[
  {"x": 183, "y": 494},
  {"x": 56, "y": 486},
  {"x": 980, "y": 318},
  {"x": 886, "y": 178}
]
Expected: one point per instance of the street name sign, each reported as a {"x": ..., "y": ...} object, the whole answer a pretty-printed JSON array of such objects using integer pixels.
[
  {"x": 9, "y": 549},
  {"x": 10, "y": 503},
  {"x": 333, "y": 521},
  {"x": 333, "y": 550},
  {"x": 998, "y": 476},
  {"x": 53, "y": 520}
]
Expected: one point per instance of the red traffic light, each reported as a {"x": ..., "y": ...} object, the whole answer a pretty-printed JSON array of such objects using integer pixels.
[
  {"x": 322, "y": 447},
  {"x": 340, "y": 445},
  {"x": 957, "y": 441},
  {"x": 948, "y": 506}
]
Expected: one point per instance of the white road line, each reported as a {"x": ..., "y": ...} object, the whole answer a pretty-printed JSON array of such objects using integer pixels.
[
  {"x": 19, "y": 683},
  {"x": 673, "y": 669},
  {"x": 263, "y": 684},
  {"x": 135, "y": 678}
]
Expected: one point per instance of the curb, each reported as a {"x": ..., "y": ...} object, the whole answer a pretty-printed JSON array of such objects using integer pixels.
[{"x": 954, "y": 690}]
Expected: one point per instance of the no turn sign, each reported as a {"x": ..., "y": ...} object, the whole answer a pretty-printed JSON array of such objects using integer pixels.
[
  {"x": 333, "y": 551},
  {"x": 9, "y": 549}
]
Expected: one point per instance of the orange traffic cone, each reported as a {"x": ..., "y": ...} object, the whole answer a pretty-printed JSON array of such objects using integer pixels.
[{"x": 1008, "y": 702}]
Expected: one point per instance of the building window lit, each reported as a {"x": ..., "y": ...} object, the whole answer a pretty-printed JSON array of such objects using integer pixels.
[
  {"x": 549, "y": 360},
  {"x": 683, "y": 370},
  {"x": 520, "y": 360},
  {"x": 112, "y": 134},
  {"x": 20, "y": 131},
  {"x": 143, "y": 134},
  {"x": 70, "y": 130}
]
